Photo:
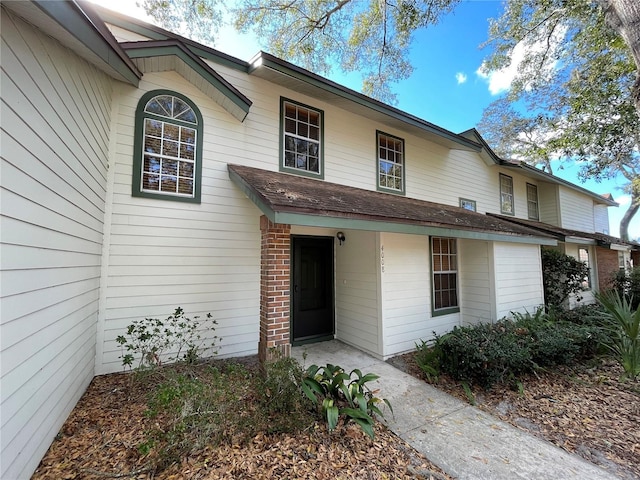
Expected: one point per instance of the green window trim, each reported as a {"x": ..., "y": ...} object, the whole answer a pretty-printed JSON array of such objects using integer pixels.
[
  {"x": 452, "y": 257},
  {"x": 468, "y": 204},
  {"x": 507, "y": 195},
  {"x": 533, "y": 203},
  {"x": 390, "y": 151},
  {"x": 287, "y": 154},
  {"x": 141, "y": 116}
]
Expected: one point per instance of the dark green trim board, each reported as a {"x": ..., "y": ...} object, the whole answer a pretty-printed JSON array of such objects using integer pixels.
[
  {"x": 380, "y": 188},
  {"x": 83, "y": 24},
  {"x": 262, "y": 60},
  {"x": 172, "y": 47},
  {"x": 513, "y": 195},
  {"x": 138, "y": 145},
  {"x": 157, "y": 33},
  {"x": 463, "y": 200},
  {"x": 296, "y": 171}
]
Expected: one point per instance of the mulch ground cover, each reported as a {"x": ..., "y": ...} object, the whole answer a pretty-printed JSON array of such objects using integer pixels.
[
  {"x": 102, "y": 435},
  {"x": 583, "y": 409}
]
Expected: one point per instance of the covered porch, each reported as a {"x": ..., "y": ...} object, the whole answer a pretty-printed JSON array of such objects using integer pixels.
[{"x": 380, "y": 271}]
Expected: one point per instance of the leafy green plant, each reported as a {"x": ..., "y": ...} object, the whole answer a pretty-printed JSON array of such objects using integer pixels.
[
  {"x": 469, "y": 393},
  {"x": 428, "y": 357},
  {"x": 627, "y": 284},
  {"x": 177, "y": 338},
  {"x": 562, "y": 275},
  {"x": 343, "y": 395},
  {"x": 622, "y": 324}
]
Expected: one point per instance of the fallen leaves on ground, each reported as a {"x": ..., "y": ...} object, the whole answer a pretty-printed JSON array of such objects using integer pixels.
[
  {"x": 584, "y": 409},
  {"x": 100, "y": 439}
]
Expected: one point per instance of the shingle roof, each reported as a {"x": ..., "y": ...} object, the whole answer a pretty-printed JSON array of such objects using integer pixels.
[
  {"x": 285, "y": 193},
  {"x": 562, "y": 233}
]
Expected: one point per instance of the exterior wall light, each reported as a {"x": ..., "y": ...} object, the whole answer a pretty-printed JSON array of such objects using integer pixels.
[{"x": 341, "y": 238}]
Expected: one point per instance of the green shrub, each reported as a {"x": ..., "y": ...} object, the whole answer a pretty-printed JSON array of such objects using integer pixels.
[
  {"x": 622, "y": 325},
  {"x": 285, "y": 408},
  {"x": 342, "y": 395},
  {"x": 176, "y": 338},
  {"x": 562, "y": 275},
  {"x": 500, "y": 352},
  {"x": 627, "y": 284},
  {"x": 484, "y": 354}
]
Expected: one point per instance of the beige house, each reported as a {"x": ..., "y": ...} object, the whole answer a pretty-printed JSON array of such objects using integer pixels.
[{"x": 142, "y": 171}]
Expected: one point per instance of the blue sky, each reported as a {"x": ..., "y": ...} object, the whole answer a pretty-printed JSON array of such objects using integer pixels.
[{"x": 445, "y": 87}]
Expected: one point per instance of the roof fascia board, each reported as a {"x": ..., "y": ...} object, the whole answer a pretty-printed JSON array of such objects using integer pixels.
[
  {"x": 309, "y": 220},
  {"x": 173, "y": 47},
  {"x": 580, "y": 240},
  {"x": 80, "y": 22},
  {"x": 490, "y": 156},
  {"x": 265, "y": 60},
  {"x": 547, "y": 177},
  {"x": 157, "y": 33}
]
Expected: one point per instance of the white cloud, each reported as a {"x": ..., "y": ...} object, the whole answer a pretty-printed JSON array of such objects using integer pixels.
[
  {"x": 461, "y": 78},
  {"x": 623, "y": 200},
  {"x": 500, "y": 80}
]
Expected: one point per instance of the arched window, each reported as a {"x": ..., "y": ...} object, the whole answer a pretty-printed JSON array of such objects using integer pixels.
[{"x": 167, "y": 160}]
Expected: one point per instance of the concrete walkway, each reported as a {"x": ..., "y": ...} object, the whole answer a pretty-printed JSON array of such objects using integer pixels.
[{"x": 464, "y": 441}]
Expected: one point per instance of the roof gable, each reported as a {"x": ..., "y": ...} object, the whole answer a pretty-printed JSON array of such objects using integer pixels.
[{"x": 165, "y": 55}]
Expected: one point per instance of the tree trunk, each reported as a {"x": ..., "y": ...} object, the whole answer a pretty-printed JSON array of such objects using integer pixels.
[
  {"x": 628, "y": 215},
  {"x": 624, "y": 17}
]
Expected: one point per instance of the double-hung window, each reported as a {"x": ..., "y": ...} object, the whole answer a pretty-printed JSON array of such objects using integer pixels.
[
  {"x": 444, "y": 263},
  {"x": 301, "y": 129},
  {"x": 167, "y": 161},
  {"x": 532, "y": 202},
  {"x": 390, "y": 163},
  {"x": 506, "y": 195}
]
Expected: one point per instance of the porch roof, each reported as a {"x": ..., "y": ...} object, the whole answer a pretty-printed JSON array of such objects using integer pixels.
[
  {"x": 572, "y": 236},
  {"x": 295, "y": 200}
]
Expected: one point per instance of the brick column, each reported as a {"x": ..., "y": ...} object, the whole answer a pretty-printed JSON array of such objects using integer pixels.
[{"x": 274, "y": 290}]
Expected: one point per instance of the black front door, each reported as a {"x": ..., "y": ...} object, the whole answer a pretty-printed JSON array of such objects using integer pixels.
[{"x": 312, "y": 288}]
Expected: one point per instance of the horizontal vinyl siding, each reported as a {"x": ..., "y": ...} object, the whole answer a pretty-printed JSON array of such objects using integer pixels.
[
  {"x": 548, "y": 203},
  {"x": 576, "y": 211},
  {"x": 475, "y": 282},
  {"x": 601, "y": 219},
  {"x": 163, "y": 254},
  {"x": 518, "y": 278},
  {"x": 406, "y": 294},
  {"x": 357, "y": 314},
  {"x": 55, "y": 134}
]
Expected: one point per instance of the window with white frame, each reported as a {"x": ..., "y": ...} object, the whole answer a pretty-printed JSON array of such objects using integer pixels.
[
  {"x": 506, "y": 194},
  {"x": 532, "y": 202},
  {"x": 583, "y": 256},
  {"x": 167, "y": 147},
  {"x": 301, "y": 139},
  {"x": 444, "y": 260},
  {"x": 390, "y": 163}
]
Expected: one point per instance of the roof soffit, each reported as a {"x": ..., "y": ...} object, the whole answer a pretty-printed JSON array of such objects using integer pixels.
[
  {"x": 171, "y": 55},
  {"x": 77, "y": 27}
]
